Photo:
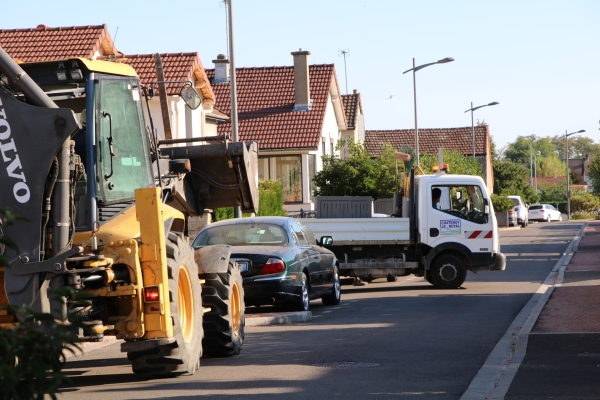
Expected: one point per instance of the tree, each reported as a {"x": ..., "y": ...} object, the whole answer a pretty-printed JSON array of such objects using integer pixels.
[
  {"x": 594, "y": 174},
  {"x": 552, "y": 194},
  {"x": 550, "y": 167},
  {"x": 579, "y": 146},
  {"x": 359, "y": 174},
  {"x": 524, "y": 147},
  {"x": 459, "y": 163},
  {"x": 513, "y": 180}
]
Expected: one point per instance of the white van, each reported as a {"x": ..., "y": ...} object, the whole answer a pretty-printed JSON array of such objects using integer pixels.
[{"x": 521, "y": 210}]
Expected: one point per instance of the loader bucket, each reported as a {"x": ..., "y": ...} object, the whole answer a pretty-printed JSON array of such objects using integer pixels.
[{"x": 222, "y": 176}]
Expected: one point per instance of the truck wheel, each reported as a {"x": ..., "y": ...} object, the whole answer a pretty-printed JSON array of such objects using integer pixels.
[
  {"x": 183, "y": 355},
  {"x": 224, "y": 323},
  {"x": 448, "y": 272},
  {"x": 333, "y": 298},
  {"x": 392, "y": 278}
]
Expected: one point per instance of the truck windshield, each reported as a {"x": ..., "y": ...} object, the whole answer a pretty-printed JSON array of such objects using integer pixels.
[
  {"x": 466, "y": 202},
  {"x": 127, "y": 165}
]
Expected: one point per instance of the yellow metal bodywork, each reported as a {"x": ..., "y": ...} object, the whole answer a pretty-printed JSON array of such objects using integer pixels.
[
  {"x": 136, "y": 238},
  {"x": 153, "y": 259}
]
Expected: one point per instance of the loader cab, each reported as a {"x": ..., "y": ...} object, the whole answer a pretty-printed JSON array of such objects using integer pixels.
[{"x": 111, "y": 142}]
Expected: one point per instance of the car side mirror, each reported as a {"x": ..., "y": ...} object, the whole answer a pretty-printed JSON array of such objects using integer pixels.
[
  {"x": 325, "y": 241},
  {"x": 486, "y": 208}
]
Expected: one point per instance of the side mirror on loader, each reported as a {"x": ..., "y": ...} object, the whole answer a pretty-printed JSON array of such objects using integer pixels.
[{"x": 190, "y": 96}]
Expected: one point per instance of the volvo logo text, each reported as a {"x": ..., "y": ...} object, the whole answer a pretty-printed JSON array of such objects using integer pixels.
[{"x": 10, "y": 156}]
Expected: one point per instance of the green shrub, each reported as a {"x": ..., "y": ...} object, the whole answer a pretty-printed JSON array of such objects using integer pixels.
[
  {"x": 270, "y": 202},
  {"x": 501, "y": 203},
  {"x": 579, "y": 215},
  {"x": 270, "y": 198},
  {"x": 31, "y": 360},
  {"x": 584, "y": 202}
]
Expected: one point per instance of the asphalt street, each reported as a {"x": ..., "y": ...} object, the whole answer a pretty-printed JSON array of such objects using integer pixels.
[{"x": 385, "y": 340}]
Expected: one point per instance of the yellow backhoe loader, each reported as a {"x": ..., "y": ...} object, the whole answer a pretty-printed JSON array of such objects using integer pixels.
[{"x": 76, "y": 160}]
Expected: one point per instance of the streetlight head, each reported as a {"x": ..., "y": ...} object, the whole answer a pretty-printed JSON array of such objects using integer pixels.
[
  {"x": 581, "y": 131},
  {"x": 445, "y": 60},
  {"x": 493, "y": 103}
]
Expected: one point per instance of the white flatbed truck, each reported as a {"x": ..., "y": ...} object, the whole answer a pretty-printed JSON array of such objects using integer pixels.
[{"x": 440, "y": 242}]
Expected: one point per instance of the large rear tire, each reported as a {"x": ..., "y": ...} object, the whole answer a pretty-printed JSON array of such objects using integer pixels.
[
  {"x": 224, "y": 324},
  {"x": 448, "y": 272},
  {"x": 185, "y": 297}
]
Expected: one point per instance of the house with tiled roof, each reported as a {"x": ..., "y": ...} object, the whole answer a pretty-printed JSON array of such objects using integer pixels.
[
  {"x": 295, "y": 113},
  {"x": 45, "y": 43},
  {"x": 355, "y": 131},
  {"x": 430, "y": 140}
]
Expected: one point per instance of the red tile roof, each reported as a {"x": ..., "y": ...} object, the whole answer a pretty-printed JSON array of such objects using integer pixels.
[
  {"x": 430, "y": 140},
  {"x": 352, "y": 105},
  {"x": 176, "y": 66},
  {"x": 265, "y": 98},
  {"x": 45, "y": 44}
]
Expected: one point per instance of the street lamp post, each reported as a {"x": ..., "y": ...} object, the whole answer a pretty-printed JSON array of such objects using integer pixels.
[
  {"x": 414, "y": 70},
  {"x": 532, "y": 138},
  {"x": 567, "y": 176},
  {"x": 537, "y": 153},
  {"x": 472, "y": 124}
]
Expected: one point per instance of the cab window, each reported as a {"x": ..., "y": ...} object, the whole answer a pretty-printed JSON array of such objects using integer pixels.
[{"x": 462, "y": 201}]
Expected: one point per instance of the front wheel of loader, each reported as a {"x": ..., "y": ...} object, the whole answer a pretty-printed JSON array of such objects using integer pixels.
[
  {"x": 224, "y": 323},
  {"x": 185, "y": 297}
]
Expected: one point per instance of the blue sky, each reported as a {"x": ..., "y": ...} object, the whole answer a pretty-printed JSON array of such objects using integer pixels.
[{"x": 539, "y": 59}]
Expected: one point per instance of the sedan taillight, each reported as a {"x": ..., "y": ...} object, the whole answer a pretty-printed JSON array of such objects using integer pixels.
[
  {"x": 273, "y": 266},
  {"x": 541, "y": 210}
]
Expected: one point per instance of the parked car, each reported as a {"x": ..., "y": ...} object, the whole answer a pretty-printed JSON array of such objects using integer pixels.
[
  {"x": 289, "y": 266},
  {"x": 521, "y": 210},
  {"x": 544, "y": 212},
  {"x": 512, "y": 218}
]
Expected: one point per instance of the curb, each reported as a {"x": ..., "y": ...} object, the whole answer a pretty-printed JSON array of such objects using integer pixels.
[
  {"x": 508, "y": 228},
  {"x": 278, "y": 318}
]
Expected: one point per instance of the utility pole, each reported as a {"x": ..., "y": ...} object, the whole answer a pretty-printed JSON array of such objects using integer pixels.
[{"x": 237, "y": 211}]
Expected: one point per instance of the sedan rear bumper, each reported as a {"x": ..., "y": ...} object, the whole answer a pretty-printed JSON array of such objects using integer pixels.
[{"x": 261, "y": 290}]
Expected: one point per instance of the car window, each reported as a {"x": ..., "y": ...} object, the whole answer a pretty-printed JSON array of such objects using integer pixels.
[
  {"x": 536, "y": 207},
  {"x": 310, "y": 237},
  {"x": 515, "y": 201},
  {"x": 299, "y": 234},
  {"x": 242, "y": 234}
]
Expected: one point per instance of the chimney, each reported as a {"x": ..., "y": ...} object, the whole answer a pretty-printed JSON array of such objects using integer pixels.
[
  {"x": 221, "y": 69},
  {"x": 355, "y": 91},
  {"x": 303, "y": 102}
]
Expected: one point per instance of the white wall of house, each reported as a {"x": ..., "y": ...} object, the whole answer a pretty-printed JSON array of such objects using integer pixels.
[
  {"x": 330, "y": 134},
  {"x": 185, "y": 122}
]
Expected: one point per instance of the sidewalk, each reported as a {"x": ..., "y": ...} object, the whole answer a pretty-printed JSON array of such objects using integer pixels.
[{"x": 563, "y": 349}]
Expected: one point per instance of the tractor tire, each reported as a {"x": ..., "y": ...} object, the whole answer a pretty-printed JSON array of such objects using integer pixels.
[
  {"x": 185, "y": 296},
  {"x": 333, "y": 298},
  {"x": 224, "y": 323},
  {"x": 448, "y": 272}
]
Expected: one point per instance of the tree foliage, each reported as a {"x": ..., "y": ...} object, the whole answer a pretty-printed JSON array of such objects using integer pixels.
[
  {"x": 501, "y": 203},
  {"x": 359, "y": 174},
  {"x": 594, "y": 173},
  {"x": 552, "y": 194},
  {"x": 459, "y": 163},
  {"x": 513, "y": 180}
]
